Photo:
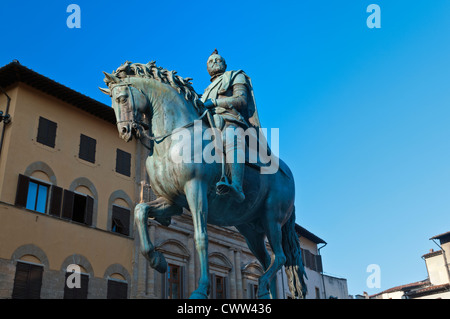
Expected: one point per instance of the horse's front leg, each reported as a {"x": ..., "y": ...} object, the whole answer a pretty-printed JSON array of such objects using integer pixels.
[
  {"x": 158, "y": 209},
  {"x": 196, "y": 195}
]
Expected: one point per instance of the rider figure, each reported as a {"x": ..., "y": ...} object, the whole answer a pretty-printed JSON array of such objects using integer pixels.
[{"x": 229, "y": 95}]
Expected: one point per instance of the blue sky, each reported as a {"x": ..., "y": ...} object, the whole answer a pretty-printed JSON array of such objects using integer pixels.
[{"x": 363, "y": 114}]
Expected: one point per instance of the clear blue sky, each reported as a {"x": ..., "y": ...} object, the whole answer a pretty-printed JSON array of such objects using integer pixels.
[{"x": 363, "y": 114}]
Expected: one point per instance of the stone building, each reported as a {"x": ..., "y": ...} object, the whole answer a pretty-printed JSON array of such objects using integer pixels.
[
  {"x": 436, "y": 285},
  {"x": 68, "y": 186}
]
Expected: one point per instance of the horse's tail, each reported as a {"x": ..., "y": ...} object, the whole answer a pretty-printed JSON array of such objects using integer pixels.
[{"x": 294, "y": 265}]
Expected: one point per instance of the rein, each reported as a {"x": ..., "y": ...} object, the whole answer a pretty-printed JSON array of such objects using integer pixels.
[{"x": 141, "y": 127}]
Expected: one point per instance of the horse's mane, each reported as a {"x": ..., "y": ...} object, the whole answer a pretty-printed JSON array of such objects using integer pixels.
[{"x": 151, "y": 71}]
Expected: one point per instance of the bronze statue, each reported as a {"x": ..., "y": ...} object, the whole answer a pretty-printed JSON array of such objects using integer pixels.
[{"x": 154, "y": 104}]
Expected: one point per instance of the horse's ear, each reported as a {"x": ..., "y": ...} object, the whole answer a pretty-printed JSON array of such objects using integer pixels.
[
  {"x": 110, "y": 78},
  {"x": 106, "y": 91}
]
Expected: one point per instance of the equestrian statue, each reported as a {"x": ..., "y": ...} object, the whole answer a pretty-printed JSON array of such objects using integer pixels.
[{"x": 157, "y": 107}]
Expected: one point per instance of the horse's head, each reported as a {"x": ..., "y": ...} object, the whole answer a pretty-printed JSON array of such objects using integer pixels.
[{"x": 129, "y": 104}]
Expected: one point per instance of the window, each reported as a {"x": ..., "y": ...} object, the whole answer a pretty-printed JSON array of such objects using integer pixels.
[
  {"x": 46, "y": 132},
  {"x": 87, "y": 148},
  {"x": 33, "y": 194},
  {"x": 120, "y": 220},
  {"x": 317, "y": 293},
  {"x": 123, "y": 162},
  {"x": 117, "y": 289},
  {"x": 78, "y": 207},
  {"x": 37, "y": 197},
  {"x": 173, "y": 282},
  {"x": 218, "y": 287},
  {"x": 27, "y": 281},
  {"x": 313, "y": 262},
  {"x": 80, "y": 292}
]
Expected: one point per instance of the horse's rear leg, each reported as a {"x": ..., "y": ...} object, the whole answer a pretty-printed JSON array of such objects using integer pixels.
[
  {"x": 273, "y": 232},
  {"x": 257, "y": 245},
  {"x": 158, "y": 208},
  {"x": 196, "y": 195}
]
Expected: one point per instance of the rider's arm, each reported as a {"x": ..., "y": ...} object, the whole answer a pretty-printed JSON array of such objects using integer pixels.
[{"x": 237, "y": 101}]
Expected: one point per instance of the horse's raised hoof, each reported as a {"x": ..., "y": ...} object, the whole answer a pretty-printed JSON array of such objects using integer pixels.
[
  {"x": 198, "y": 295},
  {"x": 158, "y": 262}
]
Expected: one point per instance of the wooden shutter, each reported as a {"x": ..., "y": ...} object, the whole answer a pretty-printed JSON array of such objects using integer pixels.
[
  {"x": 319, "y": 263},
  {"x": 87, "y": 148},
  {"x": 27, "y": 281},
  {"x": 77, "y": 293},
  {"x": 46, "y": 132},
  {"x": 67, "y": 210},
  {"x": 22, "y": 191},
  {"x": 117, "y": 290},
  {"x": 89, "y": 210},
  {"x": 123, "y": 162},
  {"x": 56, "y": 201}
]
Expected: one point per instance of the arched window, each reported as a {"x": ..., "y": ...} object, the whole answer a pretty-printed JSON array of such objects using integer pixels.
[
  {"x": 119, "y": 213},
  {"x": 220, "y": 268},
  {"x": 174, "y": 281},
  {"x": 37, "y": 190},
  {"x": 31, "y": 262}
]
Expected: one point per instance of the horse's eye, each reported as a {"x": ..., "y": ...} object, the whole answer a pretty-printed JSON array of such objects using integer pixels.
[{"x": 122, "y": 99}]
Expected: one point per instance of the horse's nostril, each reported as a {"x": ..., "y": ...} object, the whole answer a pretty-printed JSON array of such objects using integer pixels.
[{"x": 124, "y": 130}]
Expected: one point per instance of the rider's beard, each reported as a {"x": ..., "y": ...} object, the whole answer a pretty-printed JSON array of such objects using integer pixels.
[{"x": 216, "y": 69}]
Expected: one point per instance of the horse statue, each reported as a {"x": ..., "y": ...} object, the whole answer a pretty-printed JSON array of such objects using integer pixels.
[{"x": 151, "y": 103}]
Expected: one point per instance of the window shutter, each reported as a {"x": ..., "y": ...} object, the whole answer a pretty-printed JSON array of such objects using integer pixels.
[
  {"x": 123, "y": 162},
  {"x": 56, "y": 201},
  {"x": 117, "y": 290},
  {"x": 27, "y": 281},
  {"x": 87, "y": 148},
  {"x": 22, "y": 191},
  {"x": 76, "y": 293},
  {"x": 319, "y": 263},
  {"x": 68, "y": 204},
  {"x": 89, "y": 210},
  {"x": 46, "y": 132}
]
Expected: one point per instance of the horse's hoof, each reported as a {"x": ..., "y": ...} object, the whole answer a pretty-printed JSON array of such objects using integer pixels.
[
  {"x": 158, "y": 262},
  {"x": 198, "y": 295}
]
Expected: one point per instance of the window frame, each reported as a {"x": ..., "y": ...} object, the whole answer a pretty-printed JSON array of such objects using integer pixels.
[
  {"x": 69, "y": 205},
  {"x": 23, "y": 191}
]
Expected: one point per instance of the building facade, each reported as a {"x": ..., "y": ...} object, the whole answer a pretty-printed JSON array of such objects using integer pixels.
[
  {"x": 68, "y": 187},
  {"x": 437, "y": 285}
]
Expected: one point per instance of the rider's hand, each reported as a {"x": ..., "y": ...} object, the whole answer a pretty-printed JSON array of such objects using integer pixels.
[{"x": 209, "y": 104}]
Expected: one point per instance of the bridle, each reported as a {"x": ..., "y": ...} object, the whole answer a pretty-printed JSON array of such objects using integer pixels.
[{"x": 139, "y": 126}]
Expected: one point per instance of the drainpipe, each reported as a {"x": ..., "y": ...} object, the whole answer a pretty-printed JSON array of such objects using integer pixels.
[
  {"x": 321, "y": 273},
  {"x": 5, "y": 118},
  {"x": 445, "y": 260}
]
